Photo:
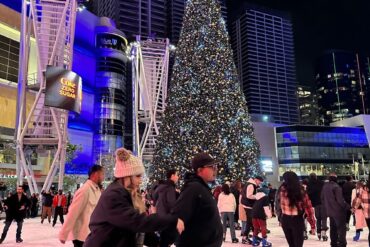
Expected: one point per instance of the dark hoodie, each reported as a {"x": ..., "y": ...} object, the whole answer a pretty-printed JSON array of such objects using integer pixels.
[
  {"x": 332, "y": 199},
  {"x": 314, "y": 189},
  {"x": 165, "y": 197},
  {"x": 198, "y": 209}
]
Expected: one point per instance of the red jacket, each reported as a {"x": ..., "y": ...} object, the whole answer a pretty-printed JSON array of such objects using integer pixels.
[{"x": 55, "y": 201}]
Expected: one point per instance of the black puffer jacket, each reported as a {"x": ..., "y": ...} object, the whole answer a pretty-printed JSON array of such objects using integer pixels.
[
  {"x": 165, "y": 197},
  {"x": 115, "y": 222},
  {"x": 198, "y": 209}
]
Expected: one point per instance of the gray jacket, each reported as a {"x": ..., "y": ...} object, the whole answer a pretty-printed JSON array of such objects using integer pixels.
[{"x": 333, "y": 201}]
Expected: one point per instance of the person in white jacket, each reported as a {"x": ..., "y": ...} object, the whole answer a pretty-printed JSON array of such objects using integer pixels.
[
  {"x": 76, "y": 226},
  {"x": 226, "y": 206}
]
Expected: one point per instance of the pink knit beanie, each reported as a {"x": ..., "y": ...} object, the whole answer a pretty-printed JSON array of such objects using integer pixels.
[{"x": 127, "y": 164}]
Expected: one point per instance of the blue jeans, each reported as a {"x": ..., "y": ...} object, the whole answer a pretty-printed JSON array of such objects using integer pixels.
[
  {"x": 228, "y": 217},
  {"x": 244, "y": 226}
]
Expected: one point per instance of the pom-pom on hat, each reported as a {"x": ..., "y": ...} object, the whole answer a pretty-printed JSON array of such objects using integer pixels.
[{"x": 127, "y": 164}]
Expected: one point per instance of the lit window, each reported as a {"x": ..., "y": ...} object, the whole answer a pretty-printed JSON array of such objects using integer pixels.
[
  {"x": 329, "y": 76},
  {"x": 357, "y": 111}
]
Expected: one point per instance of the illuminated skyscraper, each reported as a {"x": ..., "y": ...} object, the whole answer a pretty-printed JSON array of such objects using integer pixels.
[
  {"x": 342, "y": 82},
  {"x": 262, "y": 41}
]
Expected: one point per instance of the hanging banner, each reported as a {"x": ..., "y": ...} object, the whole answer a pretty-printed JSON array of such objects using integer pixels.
[{"x": 63, "y": 89}]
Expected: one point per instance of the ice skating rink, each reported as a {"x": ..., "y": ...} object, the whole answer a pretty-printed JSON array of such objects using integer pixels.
[{"x": 44, "y": 235}]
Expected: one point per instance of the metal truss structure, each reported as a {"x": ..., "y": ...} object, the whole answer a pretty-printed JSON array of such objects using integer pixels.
[
  {"x": 43, "y": 128},
  {"x": 150, "y": 61}
]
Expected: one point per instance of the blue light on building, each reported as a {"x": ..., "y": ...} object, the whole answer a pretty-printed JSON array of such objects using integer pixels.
[
  {"x": 321, "y": 149},
  {"x": 99, "y": 57}
]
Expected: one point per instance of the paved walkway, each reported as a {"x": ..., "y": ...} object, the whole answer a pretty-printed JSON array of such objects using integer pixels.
[{"x": 44, "y": 235}]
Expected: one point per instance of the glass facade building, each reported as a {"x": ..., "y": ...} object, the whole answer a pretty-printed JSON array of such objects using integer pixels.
[
  {"x": 307, "y": 103},
  {"x": 135, "y": 17},
  {"x": 262, "y": 41},
  {"x": 110, "y": 91},
  {"x": 343, "y": 86},
  {"x": 322, "y": 149}
]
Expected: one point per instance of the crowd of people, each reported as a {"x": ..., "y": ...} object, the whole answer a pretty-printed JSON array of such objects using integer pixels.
[
  {"x": 19, "y": 206},
  {"x": 196, "y": 215}
]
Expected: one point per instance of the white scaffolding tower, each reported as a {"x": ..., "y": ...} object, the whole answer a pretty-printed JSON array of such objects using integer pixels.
[
  {"x": 52, "y": 22},
  {"x": 150, "y": 75}
]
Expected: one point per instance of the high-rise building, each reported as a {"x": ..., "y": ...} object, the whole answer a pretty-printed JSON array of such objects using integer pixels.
[
  {"x": 262, "y": 41},
  {"x": 343, "y": 83},
  {"x": 135, "y": 17},
  {"x": 175, "y": 12},
  {"x": 307, "y": 104},
  {"x": 148, "y": 18}
]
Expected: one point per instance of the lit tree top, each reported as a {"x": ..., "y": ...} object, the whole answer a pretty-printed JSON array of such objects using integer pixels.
[{"x": 206, "y": 109}]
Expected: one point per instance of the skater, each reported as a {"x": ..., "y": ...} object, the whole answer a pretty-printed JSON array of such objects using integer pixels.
[
  {"x": 16, "y": 207},
  {"x": 59, "y": 202},
  {"x": 227, "y": 206},
  {"x": 261, "y": 211},
  {"x": 314, "y": 189},
  {"x": 34, "y": 205},
  {"x": 242, "y": 217},
  {"x": 271, "y": 195},
  {"x": 248, "y": 199},
  {"x": 363, "y": 200},
  {"x": 304, "y": 184},
  {"x": 47, "y": 203},
  {"x": 69, "y": 200},
  {"x": 236, "y": 189},
  {"x": 347, "y": 188},
  {"x": 336, "y": 208},
  {"x": 120, "y": 218},
  {"x": 197, "y": 207},
  {"x": 81, "y": 208},
  {"x": 291, "y": 204},
  {"x": 165, "y": 197},
  {"x": 359, "y": 214},
  {"x": 217, "y": 191}
]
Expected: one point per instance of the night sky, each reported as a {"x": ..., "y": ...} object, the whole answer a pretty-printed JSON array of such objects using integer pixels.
[{"x": 319, "y": 25}]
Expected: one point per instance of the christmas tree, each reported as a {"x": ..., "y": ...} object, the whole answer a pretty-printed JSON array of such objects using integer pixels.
[{"x": 206, "y": 109}]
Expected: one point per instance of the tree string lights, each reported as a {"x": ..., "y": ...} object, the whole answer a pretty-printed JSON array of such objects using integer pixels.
[{"x": 206, "y": 108}]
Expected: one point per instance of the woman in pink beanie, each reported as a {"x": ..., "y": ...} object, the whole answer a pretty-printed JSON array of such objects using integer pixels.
[{"x": 119, "y": 219}]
